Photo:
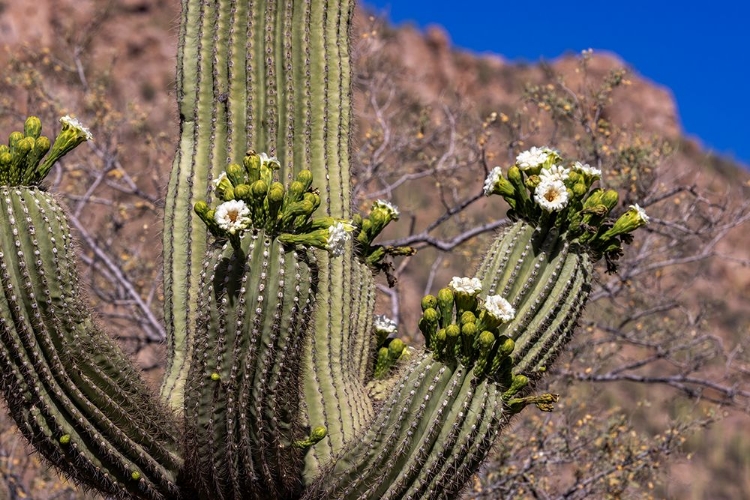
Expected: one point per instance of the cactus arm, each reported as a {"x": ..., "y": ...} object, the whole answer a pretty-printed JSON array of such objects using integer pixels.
[
  {"x": 242, "y": 402},
  {"x": 74, "y": 394}
]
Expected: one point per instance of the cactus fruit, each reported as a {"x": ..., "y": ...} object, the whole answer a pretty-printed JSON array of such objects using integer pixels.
[{"x": 276, "y": 364}]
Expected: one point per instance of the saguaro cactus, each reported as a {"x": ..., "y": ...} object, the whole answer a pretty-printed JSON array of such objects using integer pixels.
[{"x": 274, "y": 363}]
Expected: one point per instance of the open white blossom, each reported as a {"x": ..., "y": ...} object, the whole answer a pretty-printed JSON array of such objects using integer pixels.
[
  {"x": 390, "y": 208},
  {"x": 338, "y": 235},
  {"x": 587, "y": 169},
  {"x": 232, "y": 216},
  {"x": 551, "y": 195},
  {"x": 472, "y": 286},
  {"x": 491, "y": 180},
  {"x": 218, "y": 180},
  {"x": 70, "y": 122},
  {"x": 641, "y": 213},
  {"x": 499, "y": 308},
  {"x": 555, "y": 172},
  {"x": 384, "y": 324},
  {"x": 532, "y": 158},
  {"x": 266, "y": 160}
]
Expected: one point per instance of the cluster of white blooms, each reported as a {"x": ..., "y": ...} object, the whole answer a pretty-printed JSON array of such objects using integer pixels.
[
  {"x": 390, "y": 208},
  {"x": 69, "y": 121},
  {"x": 338, "y": 235},
  {"x": 551, "y": 194},
  {"x": 587, "y": 169},
  {"x": 554, "y": 173},
  {"x": 384, "y": 324},
  {"x": 232, "y": 216},
  {"x": 492, "y": 178},
  {"x": 641, "y": 213},
  {"x": 499, "y": 308},
  {"x": 532, "y": 158},
  {"x": 472, "y": 286}
]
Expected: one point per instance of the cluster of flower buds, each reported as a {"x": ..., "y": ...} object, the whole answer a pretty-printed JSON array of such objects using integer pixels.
[
  {"x": 23, "y": 162},
  {"x": 381, "y": 214},
  {"x": 460, "y": 326},
  {"x": 542, "y": 190},
  {"x": 252, "y": 200},
  {"x": 391, "y": 350}
]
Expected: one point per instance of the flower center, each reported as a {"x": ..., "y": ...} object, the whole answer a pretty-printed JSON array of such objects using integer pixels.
[{"x": 551, "y": 194}]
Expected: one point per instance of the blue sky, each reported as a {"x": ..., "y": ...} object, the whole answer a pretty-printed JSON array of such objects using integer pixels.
[{"x": 700, "y": 50}]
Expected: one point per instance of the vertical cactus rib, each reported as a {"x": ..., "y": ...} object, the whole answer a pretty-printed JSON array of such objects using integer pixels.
[
  {"x": 243, "y": 399},
  {"x": 423, "y": 435},
  {"x": 73, "y": 393}
]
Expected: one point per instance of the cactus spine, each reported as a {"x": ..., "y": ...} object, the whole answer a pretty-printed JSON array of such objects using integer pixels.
[{"x": 270, "y": 294}]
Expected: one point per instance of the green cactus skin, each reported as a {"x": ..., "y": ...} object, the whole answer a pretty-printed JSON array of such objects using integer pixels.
[
  {"x": 270, "y": 343},
  {"x": 241, "y": 422},
  {"x": 75, "y": 396},
  {"x": 440, "y": 422},
  {"x": 285, "y": 69}
]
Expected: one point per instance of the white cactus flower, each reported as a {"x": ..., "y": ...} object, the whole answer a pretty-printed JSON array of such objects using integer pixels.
[
  {"x": 338, "y": 235},
  {"x": 232, "y": 216},
  {"x": 555, "y": 172},
  {"x": 390, "y": 208},
  {"x": 532, "y": 158},
  {"x": 70, "y": 122},
  {"x": 384, "y": 324},
  {"x": 551, "y": 195},
  {"x": 641, "y": 213},
  {"x": 499, "y": 308},
  {"x": 492, "y": 178},
  {"x": 587, "y": 169},
  {"x": 472, "y": 286},
  {"x": 218, "y": 180}
]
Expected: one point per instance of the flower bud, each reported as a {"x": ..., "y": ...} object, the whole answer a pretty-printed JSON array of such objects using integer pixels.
[
  {"x": 305, "y": 177},
  {"x": 236, "y": 174},
  {"x": 32, "y": 127}
]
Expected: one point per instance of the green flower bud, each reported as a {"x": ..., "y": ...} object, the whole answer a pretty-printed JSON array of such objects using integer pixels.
[
  {"x": 428, "y": 325},
  {"x": 305, "y": 177},
  {"x": 252, "y": 165},
  {"x": 469, "y": 333},
  {"x": 13, "y": 139},
  {"x": 295, "y": 192},
  {"x": 533, "y": 181},
  {"x": 71, "y": 135},
  {"x": 429, "y": 301},
  {"x": 135, "y": 476},
  {"x": 468, "y": 317},
  {"x": 243, "y": 192},
  {"x": 395, "y": 349},
  {"x": 316, "y": 435},
  {"x": 236, "y": 174},
  {"x": 519, "y": 382},
  {"x": 382, "y": 364},
  {"x": 610, "y": 199},
  {"x": 445, "y": 304},
  {"x": 579, "y": 189},
  {"x": 259, "y": 188},
  {"x": 32, "y": 127},
  {"x": 41, "y": 146},
  {"x": 275, "y": 200},
  {"x": 64, "y": 439},
  {"x": 628, "y": 222},
  {"x": 483, "y": 345}
]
